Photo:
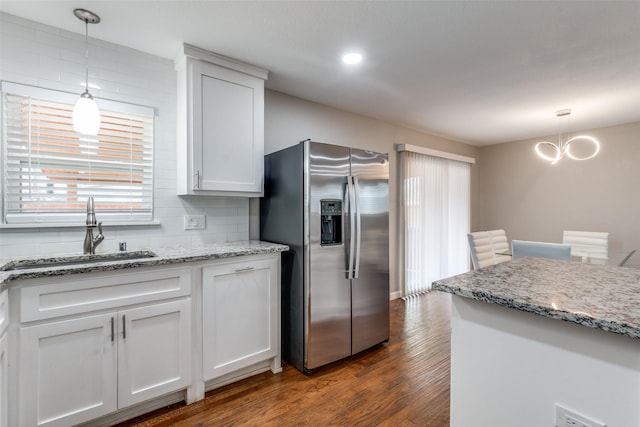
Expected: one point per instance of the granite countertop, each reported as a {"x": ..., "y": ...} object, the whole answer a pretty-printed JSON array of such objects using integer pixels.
[
  {"x": 164, "y": 256},
  {"x": 598, "y": 296}
]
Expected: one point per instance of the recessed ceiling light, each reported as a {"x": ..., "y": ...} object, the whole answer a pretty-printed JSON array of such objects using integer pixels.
[{"x": 352, "y": 58}]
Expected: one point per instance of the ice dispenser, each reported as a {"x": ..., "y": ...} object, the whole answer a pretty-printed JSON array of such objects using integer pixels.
[{"x": 330, "y": 222}]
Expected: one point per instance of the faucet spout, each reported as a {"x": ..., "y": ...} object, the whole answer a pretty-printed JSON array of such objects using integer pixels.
[{"x": 91, "y": 213}]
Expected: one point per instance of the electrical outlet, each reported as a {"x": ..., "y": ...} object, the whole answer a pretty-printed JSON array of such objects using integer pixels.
[
  {"x": 568, "y": 418},
  {"x": 194, "y": 222}
]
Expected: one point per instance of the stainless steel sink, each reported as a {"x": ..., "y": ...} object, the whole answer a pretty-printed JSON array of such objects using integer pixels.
[{"x": 24, "y": 264}]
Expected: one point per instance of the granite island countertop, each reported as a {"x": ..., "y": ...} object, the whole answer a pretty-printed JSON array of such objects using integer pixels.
[
  {"x": 164, "y": 256},
  {"x": 598, "y": 296}
]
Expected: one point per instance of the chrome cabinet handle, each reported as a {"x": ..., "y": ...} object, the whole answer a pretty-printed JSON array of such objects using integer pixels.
[
  {"x": 240, "y": 270},
  {"x": 197, "y": 176},
  {"x": 124, "y": 327},
  {"x": 113, "y": 338}
]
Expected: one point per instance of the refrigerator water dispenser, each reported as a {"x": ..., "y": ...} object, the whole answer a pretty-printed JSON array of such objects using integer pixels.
[{"x": 330, "y": 222}]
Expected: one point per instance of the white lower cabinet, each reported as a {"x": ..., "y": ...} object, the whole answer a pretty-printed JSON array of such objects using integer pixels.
[
  {"x": 4, "y": 380},
  {"x": 75, "y": 367},
  {"x": 4, "y": 359},
  {"x": 76, "y": 370},
  {"x": 241, "y": 316},
  {"x": 101, "y": 347}
]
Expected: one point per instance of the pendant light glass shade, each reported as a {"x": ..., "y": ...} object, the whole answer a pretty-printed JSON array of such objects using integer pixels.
[{"x": 86, "y": 116}]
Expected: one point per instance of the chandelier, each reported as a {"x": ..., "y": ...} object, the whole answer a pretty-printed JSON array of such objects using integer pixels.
[{"x": 554, "y": 152}]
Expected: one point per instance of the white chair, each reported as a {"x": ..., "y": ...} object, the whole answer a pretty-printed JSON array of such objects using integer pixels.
[
  {"x": 488, "y": 248},
  {"x": 522, "y": 248},
  {"x": 593, "y": 244}
]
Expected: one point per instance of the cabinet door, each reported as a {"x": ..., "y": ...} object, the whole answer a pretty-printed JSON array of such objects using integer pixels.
[
  {"x": 228, "y": 129},
  {"x": 154, "y": 351},
  {"x": 240, "y": 315},
  {"x": 3, "y": 381},
  {"x": 4, "y": 358},
  {"x": 67, "y": 371}
]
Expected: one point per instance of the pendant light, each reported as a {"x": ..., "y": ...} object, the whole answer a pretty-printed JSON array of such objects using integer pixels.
[
  {"x": 555, "y": 152},
  {"x": 86, "y": 116}
]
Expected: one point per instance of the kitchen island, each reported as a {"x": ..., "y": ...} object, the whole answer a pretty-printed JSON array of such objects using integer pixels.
[{"x": 531, "y": 334}]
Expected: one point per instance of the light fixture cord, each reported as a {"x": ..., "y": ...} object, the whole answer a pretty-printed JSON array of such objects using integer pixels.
[{"x": 86, "y": 54}]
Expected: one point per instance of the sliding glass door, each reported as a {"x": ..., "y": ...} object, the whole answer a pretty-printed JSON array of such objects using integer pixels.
[{"x": 436, "y": 213}]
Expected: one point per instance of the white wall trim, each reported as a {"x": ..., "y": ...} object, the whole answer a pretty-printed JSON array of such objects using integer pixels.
[{"x": 436, "y": 153}]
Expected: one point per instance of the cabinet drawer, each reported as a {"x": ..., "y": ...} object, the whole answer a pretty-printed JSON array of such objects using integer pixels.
[{"x": 50, "y": 298}]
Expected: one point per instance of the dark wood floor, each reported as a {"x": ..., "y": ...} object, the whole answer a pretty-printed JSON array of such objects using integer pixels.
[{"x": 404, "y": 382}]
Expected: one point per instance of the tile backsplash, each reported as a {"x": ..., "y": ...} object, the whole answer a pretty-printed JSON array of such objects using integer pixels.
[{"x": 36, "y": 54}]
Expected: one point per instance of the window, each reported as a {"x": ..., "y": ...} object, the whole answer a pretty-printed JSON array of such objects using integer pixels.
[{"x": 49, "y": 170}]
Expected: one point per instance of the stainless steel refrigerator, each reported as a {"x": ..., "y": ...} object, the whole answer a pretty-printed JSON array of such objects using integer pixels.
[{"x": 330, "y": 204}]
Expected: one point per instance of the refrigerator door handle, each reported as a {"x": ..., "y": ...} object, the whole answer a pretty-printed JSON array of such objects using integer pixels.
[
  {"x": 352, "y": 229},
  {"x": 356, "y": 271}
]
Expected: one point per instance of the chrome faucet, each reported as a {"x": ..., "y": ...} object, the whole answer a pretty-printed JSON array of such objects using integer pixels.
[{"x": 90, "y": 242}]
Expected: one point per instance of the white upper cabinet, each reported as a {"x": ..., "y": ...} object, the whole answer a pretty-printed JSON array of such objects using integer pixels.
[{"x": 220, "y": 125}]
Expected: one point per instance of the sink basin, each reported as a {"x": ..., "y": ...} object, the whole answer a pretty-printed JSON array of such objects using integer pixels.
[{"x": 25, "y": 264}]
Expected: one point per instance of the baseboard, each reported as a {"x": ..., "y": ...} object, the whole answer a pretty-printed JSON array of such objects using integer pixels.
[
  {"x": 395, "y": 295},
  {"x": 232, "y": 377},
  {"x": 137, "y": 410}
]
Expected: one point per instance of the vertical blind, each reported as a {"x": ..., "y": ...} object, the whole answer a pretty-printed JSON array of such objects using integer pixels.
[
  {"x": 49, "y": 170},
  {"x": 436, "y": 205}
]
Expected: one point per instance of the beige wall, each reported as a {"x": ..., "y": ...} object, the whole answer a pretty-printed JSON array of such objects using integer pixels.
[
  {"x": 289, "y": 120},
  {"x": 533, "y": 200}
]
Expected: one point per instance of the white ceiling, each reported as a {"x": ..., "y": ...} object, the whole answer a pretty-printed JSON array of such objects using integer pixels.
[{"x": 480, "y": 72}]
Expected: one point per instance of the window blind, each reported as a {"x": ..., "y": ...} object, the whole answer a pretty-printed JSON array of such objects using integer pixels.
[
  {"x": 435, "y": 211},
  {"x": 49, "y": 170}
]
